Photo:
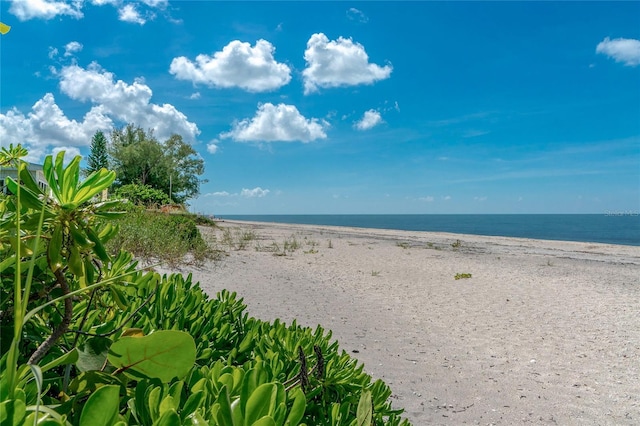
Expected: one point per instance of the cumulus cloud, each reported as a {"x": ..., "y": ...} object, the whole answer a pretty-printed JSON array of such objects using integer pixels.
[
  {"x": 129, "y": 13},
  {"x": 129, "y": 103},
  {"x": 47, "y": 126},
  {"x": 338, "y": 63},
  {"x": 72, "y": 47},
  {"x": 256, "y": 192},
  {"x": 195, "y": 95},
  {"x": 369, "y": 120},
  {"x": 25, "y": 10},
  {"x": 277, "y": 123},
  {"x": 237, "y": 65},
  {"x": 626, "y": 50}
]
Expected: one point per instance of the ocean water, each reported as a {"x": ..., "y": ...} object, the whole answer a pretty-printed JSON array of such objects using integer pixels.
[{"x": 621, "y": 228}]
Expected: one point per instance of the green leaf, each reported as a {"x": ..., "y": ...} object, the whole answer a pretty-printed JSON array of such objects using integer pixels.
[
  {"x": 93, "y": 353},
  {"x": 265, "y": 421},
  {"x": 162, "y": 355},
  {"x": 55, "y": 247},
  {"x": 28, "y": 198},
  {"x": 365, "y": 409},
  {"x": 49, "y": 174},
  {"x": 196, "y": 419},
  {"x": 260, "y": 403},
  {"x": 297, "y": 409},
  {"x": 168, "y": 418},
  {"x": 69, "y": 358},
  {"x": 102, "y": 407},
  {"x": 12, "y": 412}
]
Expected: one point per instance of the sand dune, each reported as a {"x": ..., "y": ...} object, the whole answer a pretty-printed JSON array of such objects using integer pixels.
[{"x": 543, "y": 332}]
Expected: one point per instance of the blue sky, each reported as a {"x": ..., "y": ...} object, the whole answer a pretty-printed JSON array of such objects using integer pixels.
[{"x": 345, "y": 107}]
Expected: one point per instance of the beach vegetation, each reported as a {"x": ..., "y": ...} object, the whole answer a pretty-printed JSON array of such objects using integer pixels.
[
  {"x": 403, "y": 244},
  {"x": 237, "y": 238},
  {"x": 153, "y": 236},
  {"x": 84, "y": 328},
  {"x": 375, "y": 273},
  {"x": 330, "y": 245},
  {"x": 142, "y": 195},
  {"x": 461, "y": 276},
  {"x": 456, "y": 244}
]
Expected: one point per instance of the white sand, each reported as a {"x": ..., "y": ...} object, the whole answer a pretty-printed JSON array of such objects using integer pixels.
[{"x": 544, "y": 332}]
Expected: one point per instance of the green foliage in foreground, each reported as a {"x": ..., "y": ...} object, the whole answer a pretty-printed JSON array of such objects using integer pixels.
[{"x": 89, "y": 339}]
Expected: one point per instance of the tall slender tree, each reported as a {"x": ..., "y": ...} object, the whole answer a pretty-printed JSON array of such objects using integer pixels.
[{"x": 99, "y": 156}]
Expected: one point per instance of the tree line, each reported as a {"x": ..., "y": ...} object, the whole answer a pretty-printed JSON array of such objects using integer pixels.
[{"x": 143, "y": 163}]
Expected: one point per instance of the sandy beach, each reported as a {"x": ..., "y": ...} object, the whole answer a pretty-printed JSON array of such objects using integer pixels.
[{"x": 543, "y": 332}]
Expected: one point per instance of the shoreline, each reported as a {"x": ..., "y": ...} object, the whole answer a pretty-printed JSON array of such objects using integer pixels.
[
  {"x": 628, "y": 253},
  {"x": 542, "y": 332},
  {"x": 349, "y": 226}
]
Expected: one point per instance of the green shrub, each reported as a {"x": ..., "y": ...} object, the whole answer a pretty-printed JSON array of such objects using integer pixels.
[
  {"x": 160, "y": 236},
  {"x": 143, "y": 195}
]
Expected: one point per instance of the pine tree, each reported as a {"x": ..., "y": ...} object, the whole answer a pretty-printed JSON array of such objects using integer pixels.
[{"x": 98, "y": 158}]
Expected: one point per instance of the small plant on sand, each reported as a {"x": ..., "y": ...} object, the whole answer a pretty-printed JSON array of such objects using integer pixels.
[
  {"x": 375, "y": 273},
  {"x": 457, "y": 244},
  {"x": 462, "y": 276},
  {"x": 403, "y": 244},
  {"x": 291, "y": 244}
]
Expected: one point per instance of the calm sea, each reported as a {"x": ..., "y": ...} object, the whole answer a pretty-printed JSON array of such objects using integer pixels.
[{"x": 602, "y": 228}]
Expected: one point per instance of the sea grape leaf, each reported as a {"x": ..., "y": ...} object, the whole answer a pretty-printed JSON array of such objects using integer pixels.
[
  {"x": 161, "y": 355},
  {"x": 297, "y": 409},
  {"x": 93, "y": 354},
  {"x": 102, "y": 407}
]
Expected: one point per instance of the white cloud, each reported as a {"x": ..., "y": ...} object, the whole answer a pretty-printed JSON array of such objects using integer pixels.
[
  {"x": 160, "y": 4},
  {"x": 195, "y": 95},
  {"x": 46, "y": 126},
  {"x": 428, "y": 199},
  {"x": 273, "y": 123},
  {"x": 72, "y": 47},
  {"x": 338, "y": 63},
  {"x": 45, "y": 9},
  {"x": 256, "y": 192},
  {"x": 70, "y": 152},
  {"x": 625, "y": 50},
  {"x": 357, "y": 15},
  {"x": 103, "y": 2},
  {"x": 129, "y": 103},
  {"x": 129, "y": 13},
  {"x": 212, "y": 146},
  {"x": 369, "y": 120},
  {"x": 237, "y": 65},
  {"x": 53, "y": 52},
  {"x": 446, "y": 197},
  {"x": 481, "y": 199}
]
